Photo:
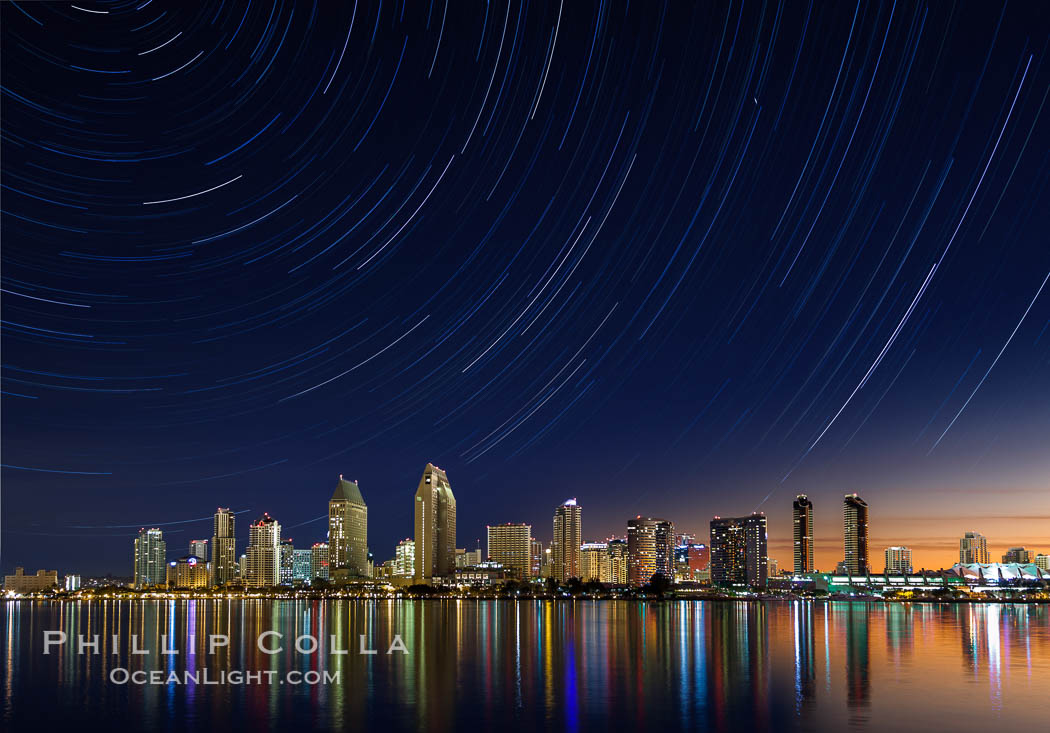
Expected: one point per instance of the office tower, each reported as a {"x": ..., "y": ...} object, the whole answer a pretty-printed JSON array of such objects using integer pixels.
[
  {"x": 301, "y": 565},
  {"x": 286, "y": 554},
  {"x": 1042, "y": 562},
  {"x": 855, "y": 535},
  {"x": 264, "y": 555},
  {"x": 535, "y": 558},
  {"x": 1018, "y": 555},
  {"x": 242, "y": 568},
  {"x": 650, "y": 549},
  {"x": 618, "y": 562},
  {"x": 405, "y": 558},
  {"x": 739, "y": 552},
  {"x": 772, "y": 567},
  {"x": 594, "y": 561},
  {"x": 565, "y": 547},
  {"x": 973, "y": 548},
  {"x": 188, "y": 572},
  {"x": 435, "y": 514},
  {"x": 802, "y": 521},
  {"x": 199, "y": 549},
  {"x": 319, "y": 561},
  {"x": 898, "y": 560},
  {"x": 223, "y": 548},
  {"x": 150, "y": 558},
  {"x": 511, "y": 546},
  {"x": 348, "y": 528}
]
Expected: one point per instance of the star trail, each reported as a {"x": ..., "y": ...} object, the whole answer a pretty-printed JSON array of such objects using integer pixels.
[{"x": 670, "y": 258}]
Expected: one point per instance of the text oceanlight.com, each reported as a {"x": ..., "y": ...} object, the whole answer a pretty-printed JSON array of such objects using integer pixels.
[{"x": 123, "y": 676}]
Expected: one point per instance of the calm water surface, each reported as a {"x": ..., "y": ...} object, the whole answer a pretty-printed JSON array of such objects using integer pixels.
[{"x": 587, "y": 665}]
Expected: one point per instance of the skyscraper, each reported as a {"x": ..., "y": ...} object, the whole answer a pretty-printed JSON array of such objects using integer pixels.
[
  {"x": 594, "y": 561},
  {"x": 973, "y": 548},
  {"x": 510, "y": 545},
  {"x": 199, "y": 549},
  {"x": 319, "y": 561},
  {"x": 301, "y": 565},
  {"x": 898, "y": 560},
  {"x": 223, "y": 548},
  {"x": 535, "y": 557},
  {"x": 405, "y": 558},
  {"x": 150, "y": 558},
  {"x": 435, "y": 515},
  {"x": 802, "y": 521},
  {"x": 263, "y": 556},
  {"x": 855, "y": 535},
  {"x": 650, "y": 549},
  {"x": 739, "y": 550},
  {"x": 618, "y": 562},
  {"x": 565, "y": 547},
  {"x": 286, "y": 569},
  {"x": 348, "y": 528}
]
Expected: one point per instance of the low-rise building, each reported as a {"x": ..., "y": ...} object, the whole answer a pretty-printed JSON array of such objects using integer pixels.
[{"x": 22, "y": 583}]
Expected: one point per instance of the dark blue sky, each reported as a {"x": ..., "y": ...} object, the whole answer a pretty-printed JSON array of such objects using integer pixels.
[{"x": 668, "y": 259}]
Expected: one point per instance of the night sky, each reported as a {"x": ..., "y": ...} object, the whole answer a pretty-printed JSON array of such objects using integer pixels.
[{"x": 671, "y": 260}]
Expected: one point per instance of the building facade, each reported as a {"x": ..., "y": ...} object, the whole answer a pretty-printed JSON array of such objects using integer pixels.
[
  {"x": 319, "y": 561},
  {"x": 973, "y": 548},
  {"x": 348, "y": 529},
  {"x": 692, "y": 563},
  {"x": 1042, "y": 562},
  {"x": 739, "y": 550},
  {"x": 535, "y": 558},
  {"x": 855, "y": 535},
  {"x": 189, "y": 572},
  {"x": 150, "y": 558},
  {"x": 802, "y": 529},
  {"x": 594, "y": 562},
  {"x": 263, "y": 567},
  {"x": 650, "y": 549},
  {"x": 898, "y": 560},
  {"x": 1018, "y": 555},
  {"x": 199, "y": 549},
  {"x": 568, "y": 536},
  {"x": 301, "y": 565},
  {"x": 223, "y": 548},
  {"x": 286, "y": 553},
  {"x": 435, "y": 520},
  {"x": 618, "y": 562},
  {"x": 22, "y": 583},
  {"x": 405, "y": 558},
  {"x": 510, "y": 545}
]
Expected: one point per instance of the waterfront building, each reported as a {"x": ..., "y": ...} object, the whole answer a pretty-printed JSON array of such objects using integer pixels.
[
  {"x": 739, "y": 550},
  {"x": 973, "y": 548},
  {"x": 568, "y": 535},
  {"x": 22, "y": 583},
  {"x": 650, "y": 549},
  {"x": 535, "y": 557},
  {"x": 150, "y": 558},
  {"x": 263, "y": 556},
  {"x": 692, "y": 562},
  {"x": 471, "y": 559},
  {"x": 348, "y": 529},
  {"x": 1018, "y": 555},
  {"x": 405, "y": 558},
  {"x": 189, "y": 572},
  {"x": 618, "y": 562},
  {"x": 772, "y": 567},
  {"x": 510, "y": 545},
  {"x": 286, "y": 553},
  {"x": 70, "y": 582},
  {"x": 898, "y": 560},
  {"x": 594, "y": 561},
  {"x": 435, "y": 525},
  {"x": 301, "y": 565},
  {"x": 199, "y": 549},
  {"x": 802, "y": 528},
  {"x": 319, "y": 561},
  {"x": 242, "y": 569},
  {"x": 855, "y": 535},
  {"x": 1042, "y": 562},
  {"x": 223, "y": 548}
]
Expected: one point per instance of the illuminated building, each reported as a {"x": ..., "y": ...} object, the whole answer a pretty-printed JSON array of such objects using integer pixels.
[
  {"x": 535, "y": 558},
  {"x": 71, "y": 582},
  {"x": 22, "y": 583},
  {"x": 188, "y": 572},
  {"x": 510, "y": 546},
  {"x": 973, "y": 548},
  {"x": 263, "y": 556},
  {"x": 565, "y": 547},
  {"x": 348, "y": 529},
  {"x": 898, "y": 560},
  {"x": 594, "y": 561},
  {"x": 1042, "y": 562},
  {"x": 199, "y": 549},
  {"x": 301, "y": 565},
  {"x": 1018, "y": 555},
  {"x": 286, "y": 553},
  {"x": 319, "y": 561},
  {"x": 618, "y": 562},
  {"x": 435, "y": 520},
  {"x": 650, "y": 549},
  {"x": 772, "y": 567},
  {"x": 739, "y": 550},
  {"x": 405, "y": 558},
  {"x": 855, "y": 535},
  {"x": 802, "y": 527},
  {"x": 692, "y": 562},
  {"x": 150, "y": 558},
  {"x": 223, "y": 548}
]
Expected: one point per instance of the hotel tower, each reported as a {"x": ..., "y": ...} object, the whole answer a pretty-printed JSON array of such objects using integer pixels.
[
  {"x": 803, "y": 534},
  {"x": 435, "y": 513},
  {"x": 348, "y": 529},
  {"x": 855, "y": 534},
  {"x": 223, "y": 548},
  {"x": 568, "y": 535}
]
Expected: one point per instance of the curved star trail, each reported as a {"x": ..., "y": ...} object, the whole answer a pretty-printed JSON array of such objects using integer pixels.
[{"x": 669, "y": 259}]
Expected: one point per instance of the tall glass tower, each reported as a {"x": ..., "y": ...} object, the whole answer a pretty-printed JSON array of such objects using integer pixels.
[
  {"x": 435, "y": 515},
  {"x": 223, "y": 548},
  {"x": 855, "y": 533},
  {"x": 568, "y": 535},
  {"x": 802, "y": 519},
  {"x": 150, "y": 558},
  {"x": 348, "y": 528}
]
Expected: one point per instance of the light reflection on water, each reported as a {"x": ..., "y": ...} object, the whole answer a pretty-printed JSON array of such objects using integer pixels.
[{"x": 698, "y": 665}]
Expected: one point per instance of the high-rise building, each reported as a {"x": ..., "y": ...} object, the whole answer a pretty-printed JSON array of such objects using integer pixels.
[
  {"x": 511, "y": 546},
  {"x": 286, "y": 569},
  {"x": 405, "y": 558},
  {"x": 319, "y": 561},
  {"x": 618, "y": 562},
  {"x": 150, "y": 558},
  {"x": 739, "y": 550},
  {"x": 973, "y": 548},
  {"x": 199, "y": 549},
  {"x": 898, "y": 560},
  {"x": 1018, "y": 555},
  {"x": 264, "y": 555},
  {"x": 802, "y": 521},
  {"x": 188, "y": 572},
  {"x": 565, "y": 547},
  {"x": 692, "y": 562},
  {"x": 650, "y": 549},
  {"x": 1042, "y": 562},
  {"x": 301, "y": 565},
  {"x": 223, "y": 548},
  {"x": 855, "y": 535},
  {"x": 594, "y": 561},
  {"x": 348, "y": 528},
  {"x": 535, "y": 557},
  {"x": 772, "y": 567},
  {"x": 435, "y": 519}
]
